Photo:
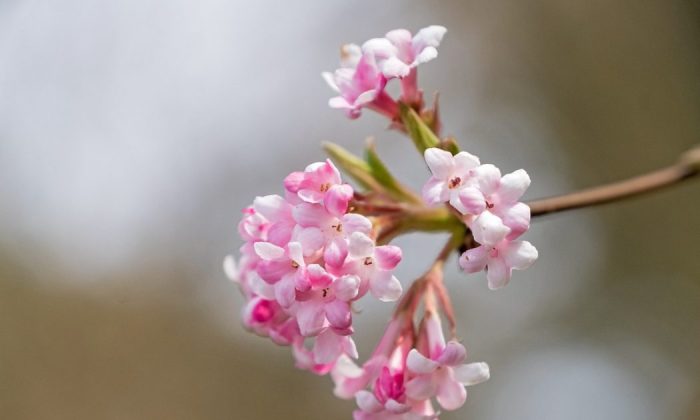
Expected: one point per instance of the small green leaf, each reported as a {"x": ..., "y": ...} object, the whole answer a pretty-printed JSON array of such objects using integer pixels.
[{"x": 382, "y": 175}]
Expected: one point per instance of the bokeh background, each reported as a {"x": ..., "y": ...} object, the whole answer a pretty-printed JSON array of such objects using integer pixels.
[{"x": 132, "y": 133}]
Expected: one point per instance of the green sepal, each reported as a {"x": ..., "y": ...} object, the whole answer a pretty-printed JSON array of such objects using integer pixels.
[
  {"x": 422, "y": 136},
  {"x": 354, "y": 166}
]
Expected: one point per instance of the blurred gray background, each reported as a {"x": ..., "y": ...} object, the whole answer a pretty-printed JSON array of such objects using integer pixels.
[{"x": 132, "y": 133}]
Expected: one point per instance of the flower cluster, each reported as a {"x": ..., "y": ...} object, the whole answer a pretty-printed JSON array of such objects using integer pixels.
[
  {"x": 399, "y": 382},
  {"x": 312, "y": 252},
  {"x": 364, "y": 71},
  {"x": 489, "y": 205},
  {"x": 305, "y": 260}
]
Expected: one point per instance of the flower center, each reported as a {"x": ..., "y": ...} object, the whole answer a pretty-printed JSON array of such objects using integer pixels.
[
  {"x": 324, "y": 187},
  {"x": 295, "y": 264},
  {"x": 368, "y": 261},
  {"x": 454, "y": 182},
  {"x": 489, "y": 205},
  {"x": 338, "y": 228}
]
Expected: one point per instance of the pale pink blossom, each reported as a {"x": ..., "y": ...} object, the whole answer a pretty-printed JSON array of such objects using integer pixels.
[
  {"x": 277, "y": 213},
  {"x": 360, "y": 84},
  {"x": 499, "y": 260},
  {"x": 320, "y": 230},
  {"x": 440, "y": 371},
  {"x": 450, "y": 174},
  {"x": 285, "y": 268},
  {"x": 399, "y": 53},
  {"x": 253, "y": 226},
  {"x": 327, "y": 302},
  {"x": 321, "y": 183},
  {"x": 499, "y": 195},
  {"x": 374, "y": 265},
  {"x": 329, "y": 345}
]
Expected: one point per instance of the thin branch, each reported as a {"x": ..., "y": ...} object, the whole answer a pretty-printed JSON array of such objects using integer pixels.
[{"x": 686, "y": 167}]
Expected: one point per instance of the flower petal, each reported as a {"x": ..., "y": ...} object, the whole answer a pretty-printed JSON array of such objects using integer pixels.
[
  {"x": 430, "y": 36},
  {"x": 517, "y": 218},
  {"x": 337, "y": 198},
  {"x": 318, "y": 276},
  {"x": 387, "y": 256},
  {"x": 360, "y": 246},
  {"x": 435, "y": 191},
  {"x": 338, "y": 314},
  {"x": 328, "y": 347},
  {"x": 367, "y": 402},
  {"x": 450, "y": 394},
  {"x": 384, "y": 286},
  {"x": 454, "y": 354},
  {"x": 472, "y": 200},
  {"x": 498, "y": 273},
  {"x": 472, "y": 373},
  {"x": 346, "y": 287},
  {"x": 474, "y": 260},
  {"x": 285, "y": 293},
  {"x": 421, "y": 387},
  {"x": 353, "y": 222},
  {"x": 393, "y": 67},
  {"x": 417, "y": 363},
  {"x": 440, "y": 162},
  {"x": 272, "y": 207},
  {"x": 335, "y": 253},
  {"x": 520, "y": 255},
  {"x": 465, "y": 162},
  {"x": 311, "y": 318},
  {"x": 230, "y": 268},
  {"x": 488, "y": 229},
  {"x": 488, "y": 177},
  {"x": 513, "y": 186},
  {"x": 268, "y": 251}
]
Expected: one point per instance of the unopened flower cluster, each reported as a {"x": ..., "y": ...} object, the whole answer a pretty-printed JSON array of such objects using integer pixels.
[{"x": 305, "y": 261}]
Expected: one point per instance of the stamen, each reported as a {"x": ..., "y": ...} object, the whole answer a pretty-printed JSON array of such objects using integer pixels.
[
  {"x": 368, "y": 261},
  {"x": 454, "y": 182}
]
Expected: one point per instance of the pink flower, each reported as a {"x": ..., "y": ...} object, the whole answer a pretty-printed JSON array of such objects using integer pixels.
[
  {"x": 329, "y": 346},
  {"x": 284, "y": 268},
  {"x": 359, "y": 84},
  {"x": 327, "y": 302},
  {"x": 497, "y": 254},
  {"x": 321, "y": 183},
  {"x": 499, "y": 260},
  {"x": 374, "y": 265},
  {"x": 389, "y": 394},
  {"x": 317, "y": 229},
  {"x": 449, "y": 175},
  {"x": 253, "y": 226},
  {"x": 442, "y": 373},
  {"x": 278, "y": 214},
  {"x": 399, "y": 53},
  {"x": 498, "y": 195}
]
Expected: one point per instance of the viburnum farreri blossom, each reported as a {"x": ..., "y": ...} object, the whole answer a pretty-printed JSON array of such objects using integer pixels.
[
  {"x": 364, "y": 71},
  {"x": 490, "y": 207},
  {"x": 312, "y": 252},
  {"x": 293, "y": 293}
]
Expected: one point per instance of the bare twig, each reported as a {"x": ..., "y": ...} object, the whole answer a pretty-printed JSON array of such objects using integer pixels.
[{"x": 686, "y": 167}]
